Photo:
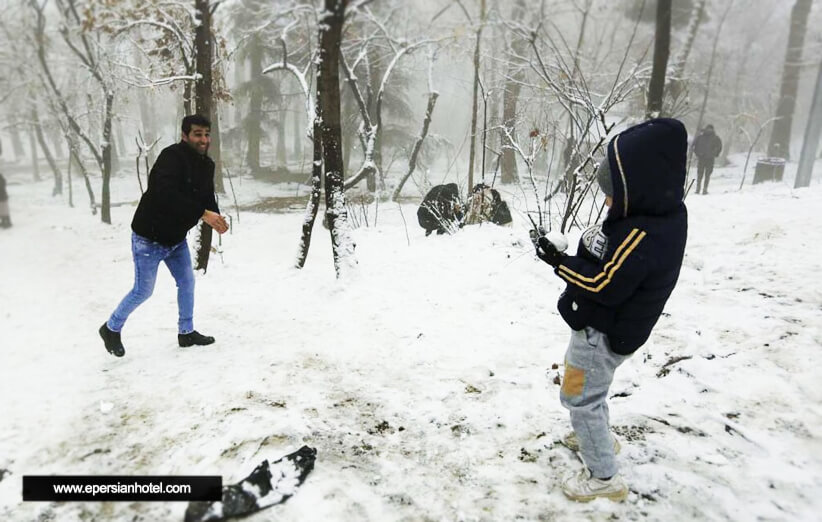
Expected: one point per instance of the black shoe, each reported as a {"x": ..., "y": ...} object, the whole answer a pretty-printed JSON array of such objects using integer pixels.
[
  {"x": 195, "y": 337},
  {"x": 112, "y": 341}
]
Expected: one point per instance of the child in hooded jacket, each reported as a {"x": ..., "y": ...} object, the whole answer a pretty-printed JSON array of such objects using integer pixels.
[{"x": 617, "y": 285}]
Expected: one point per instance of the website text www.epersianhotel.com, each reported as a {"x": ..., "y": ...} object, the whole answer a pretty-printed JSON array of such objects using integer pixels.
[{"x": 121, "y": 488}]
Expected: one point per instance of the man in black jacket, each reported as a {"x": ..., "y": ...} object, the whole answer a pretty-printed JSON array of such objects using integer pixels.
[
  {"x": 617, "y": 285},
  {"x": 180, "y": 193},
  {"x": 707, "y": 147}
]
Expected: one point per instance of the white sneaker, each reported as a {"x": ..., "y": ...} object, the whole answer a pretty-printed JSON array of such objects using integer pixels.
[
  {"x": 582, "y": 487},
  {"x": 572, "y": 442}
]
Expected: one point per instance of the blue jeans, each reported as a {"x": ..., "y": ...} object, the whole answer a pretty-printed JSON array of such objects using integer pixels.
[
  {"x": 147, "y": 256},
  {"x": 589, "y": 371}
]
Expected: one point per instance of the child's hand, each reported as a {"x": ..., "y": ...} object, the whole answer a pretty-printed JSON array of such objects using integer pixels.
[
  {"x": 548, "y": 252},
  {"x": 559, "y": 241}
]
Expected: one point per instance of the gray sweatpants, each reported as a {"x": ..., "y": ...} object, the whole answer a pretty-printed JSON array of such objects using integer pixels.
[{"x": 589, "y": 371}]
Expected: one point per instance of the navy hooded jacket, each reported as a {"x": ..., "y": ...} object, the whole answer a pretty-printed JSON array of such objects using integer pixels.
[{"x": 623, "y": 294}]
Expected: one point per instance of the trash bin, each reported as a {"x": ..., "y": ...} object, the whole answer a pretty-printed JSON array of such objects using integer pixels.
[{"x": 769, "y": 169}]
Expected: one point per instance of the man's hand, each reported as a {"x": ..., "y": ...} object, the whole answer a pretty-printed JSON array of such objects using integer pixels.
[
  {"x": 548, "y": 252},
  {"x": 216, "y": 221}
]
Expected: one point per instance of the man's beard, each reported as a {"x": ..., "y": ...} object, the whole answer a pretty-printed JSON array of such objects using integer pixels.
[{"x": 197, "y": 148}]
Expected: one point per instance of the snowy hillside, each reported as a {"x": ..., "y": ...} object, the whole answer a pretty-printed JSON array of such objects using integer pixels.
[{"x": 427, "y": 383}]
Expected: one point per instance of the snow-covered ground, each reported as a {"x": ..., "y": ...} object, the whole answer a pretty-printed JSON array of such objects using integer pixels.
[{"x": 427, "y": 382}]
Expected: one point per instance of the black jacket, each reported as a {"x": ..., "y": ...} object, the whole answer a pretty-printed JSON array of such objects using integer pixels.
[
  {"x": 623, "y": 294},
  {"x": 4, "y": 196},
  {"x": 180, "y": 189},
  {"x": 440, "y": 207},
  {"x": 707, "y": 145}
]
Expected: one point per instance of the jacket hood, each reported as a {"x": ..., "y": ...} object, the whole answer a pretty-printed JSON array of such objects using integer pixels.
[{"x": 648, "y": 168}]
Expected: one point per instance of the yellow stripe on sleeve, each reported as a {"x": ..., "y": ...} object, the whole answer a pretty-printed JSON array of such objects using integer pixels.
[
  {"x": 608, "y": 265},
  {"x": 621, "y": 254}
]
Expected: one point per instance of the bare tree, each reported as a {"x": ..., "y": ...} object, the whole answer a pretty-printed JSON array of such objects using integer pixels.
[
  {"x": 473, "y": 133},
  {"x": 204, "y": 94},
  {"x": 709, "y": 75},
  {"x": 582, "y": 97},
  {"x": 325, "y": 130},
  {"x": 90, "y": 53},
  {"x": 255, "y": 104},
  {"x": 313, "y": 131},
  {"x": 662, "y": 44},
  {"x": 41, "y": 139},
  {"x": 21, "y": 88},
  {"x": 35, "y": 162},
  {"x": 331, "y": 134},
  {"x": 412, "y": 161},
  {"x": 813, "y": 132},
  {"x": 372, "y": 121},
  {"x": 161, "y": 35},
  {"x": 780, "y": 143},
  {"x": 676, "y": 80},
  {"x": 514, "y": 77}
]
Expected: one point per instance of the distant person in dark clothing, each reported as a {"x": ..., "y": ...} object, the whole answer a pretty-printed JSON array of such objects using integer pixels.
[
  {"x": 486, "y": 204},
  {"x": 5, "y": 217},
  {"x": 707, "y": 147},
  {"x": 441, "y": 209},
  {"x": 180, "y": 193}
]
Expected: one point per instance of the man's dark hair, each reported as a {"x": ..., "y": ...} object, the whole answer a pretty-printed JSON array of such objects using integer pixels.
[{"x": 194, "y": 119}]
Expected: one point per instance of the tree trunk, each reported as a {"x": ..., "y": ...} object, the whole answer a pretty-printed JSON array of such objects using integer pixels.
[
  {"x": 316, "y": 187},
  {"x": 328, "y": 69},
  {"x": 217, "y": 150},
  {"x": 473, "y": 135},
  {"x": 53, "y": 134},
  {"x": 255, "y": 106},
  {"x": 711, "y": 69},
  {"x": 68, "y": 176},
  {"x": 374, "y": 75},
  {"x": 181, "y": 111},
  {"x": 33, "y": 149},
  {"x": 412, "y": 162},
  {"x": 16, "y": 142},
  {"x": 780, "y": 143},
  {"x": 662, "y": 44},
  {"x": 299, "y": 135},
  {"x": 738, "y": 92},
  {"x": 238, "y": 111},
  {"x": 74, "y": 154},
  {"x": 813, "y": 132},
  {"x": 204, "y": 93},
  {"x": 94, "y": 117},
  {"x": 105, "y": 208},
  {"x": 44, "y": 146},
  {"x": 116, "y": 149},
  {"x": 510, "y": 96},
  {"x": 348, "y": 151},
  {"x": 676, "y": 84},
  {"x": 73, "y": 129},
  {"x": 188, "y": 100},
  {"x": 509, "y": 119},
  {"x": 282, "y": 157},
  {"x": 121, "y": 139},
  {"x": 147, "y": 119},
  {"x": 495, "y": 95}
]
